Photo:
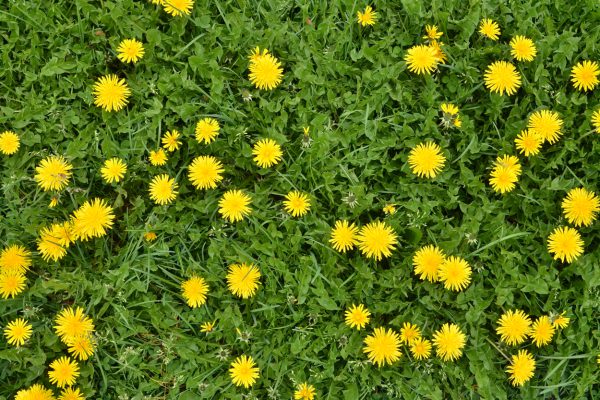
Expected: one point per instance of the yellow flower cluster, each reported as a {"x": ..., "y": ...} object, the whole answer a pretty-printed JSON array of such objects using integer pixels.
[
  {"x": 430, "y": 263},
  {"x": 375, "y": 240}
]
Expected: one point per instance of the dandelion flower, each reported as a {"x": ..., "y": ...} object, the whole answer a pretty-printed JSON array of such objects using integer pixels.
[
  {"x": 427, "y": 262},
  {"x": 17, "y": 332},
  {"x": 521, "y": 368},
  {"x": 596, "y": 120},
  {"x": 178, "y": 8},
  {"x": 432, "y": 32},
  {"x": 205, "y": 172},
  {"x": 266, "y": 153},
  {"x": 72, "y": 323},
  {"x": 35, "y": 392},
  {"x": 130, "y": 51},
  {"x": 304, "y": 392},
  {"x": 420, "y": 348},
  {"x": 50, "y": 245},
  {"x": 580, "y": 206},
  {"x": 426, "y": 160},
  {"x": 584, "y": 75},
  {"x": 92, "y": 219},
  {"x": 376, "y": 240},
  {"x": 243, "y": 280},
  {"x": 382, "y": 347},
  {"x": 113, "y": 170},
  {"x": 53, "y": 202},
  {"x": 9, "y": 143},
  {"x": 15, "y": 258},
  {"x": 53, "y": 173},
  {"x": 63, "y": 372},
  {"x": 561, "y": 321},
  {"x": 522, "y": 48},
  {"x": 489, "y": 29},
  {"x": 409, "y": 333},
  {"x": 542, "y": 331},
  {"x": 158, "y": 157},
  {"x": 207, "y": 130},
  {"x": 502, "y": 77},
  {"x": 357, "y": 316},
  {"x": 243, "y": 371},
  {"x": 455, "y": 273},
  {"x": 265, "y": 71},
  {"x": 150, "y": 236},
  {"x": 207, "y": 327},
  {"x": 194, "y": 291},
  {"x": 234, "y": 205},
  {"x": 163, "y": 189},
  {"x": 503, "y": 179},
  {"x": 421, "y": 59},
  {"x": 296, "y": 203},
  {"x": 343, "y": 236},
  {"x": 81, "y": 347},
  {"x": 11, "y": 284},
  {"x": 367, "y": 17},
  {"x": 528, "y": 142},
  {"x": 171, "y": 140},
  {"x": 547, "y": 124},
  {"x": 513, "y": 327},
  {"x": 111, "y": 93},
  {"x": 441, "y": 59},
  {"x": 71, "y": 394},
  {"x": 565, "y": 244},
  {"x": 449, "y": 342},
  {"x": 389, "y": 209}
]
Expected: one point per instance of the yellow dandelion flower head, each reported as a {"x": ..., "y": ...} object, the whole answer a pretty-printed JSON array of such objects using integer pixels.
[
  {"x": 113, "y": 170},
  {"x": 205, "y": 172},
  {"x": 17, "y": 332},
  {"x": 194, "y": 291},
  {"x": 357, "y": 316},
  {"x": 367, "y": 17},
  {"x": 35, "y": 392},
  {"x": 158, "y": 157},
  {"x": 72, "y": 323},
  {"x": 9, "y": 143},
  {"x": 15, "y": 258},
  {"x": 432, "y": 32},
  {"x": 170, "y": 140},
  {"x": 71, "y": 394},
  {"x": 522, "y": 48},
  {"x": 427, "y": 262},
  {"x": 265, "y": 71},
  {"x": 296, "y": 203},
  {"x": 234, "y": 205},
  {"x": 521, "y": 368},
  {"x": 584, "y": 75},
  {"x": 111, "y": 93},
  {"x": 565, "y": 244},
  {"x": 426, "y": 160},
  {"x": 409, "y": 333},
  {"x": 163, "y": 189},
  {"x": 53, "y": 202},
  {"x": 207, "y": 327},
  {"x": 178, "y": 8},
  {"x": 449, "y": 342},
  {"x": 455, "y": 273},
  {"x": 81, "y": 347},
  {"x": 63, "y": 372},
  {"x": 560, "y": 321},
  {"x": 580, "y": 206},
  {"x": 439, "y": 53},
  {"x": 528, "y": 142},
  {"x": 377, "y": 240},
  {"x": 207, "y": 130},
  {"x": 547, "y": 124},
  {"x": 502, "y": 77},
  {"x": 389, "y": 209},
  {"x": 266, "y": 153},
  {"x": 449, "y": 108},
  {"x": 420, "y": 348},
  {"x": 503, "y": 179},
  {"x": 150, "y": 236},
  {"x": 11, "y": 283},
  {"x": 489, "y": 29},
  {"x": 596, "y": 120},
  {"x": 382, "y": 346},
  {"x": 54, "y": 241},
  {"x": 243, "y": 371},
  {"x": 304, "y": 392},
  {"x": 53, "y": 173},
  {"x": 343, "y": 236},
  {"x": 542, "y": 331},
  {"x": 92, "y": 219},
  {"x": 421, "y": 59},
  {"x": 243, "y": 280},
  {"x": 130, "y": 51},
  {"x": 513, "y": 327}
]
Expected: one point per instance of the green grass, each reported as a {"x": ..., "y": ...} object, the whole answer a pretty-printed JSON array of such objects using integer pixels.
[{"x": 365, "y": 111}]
